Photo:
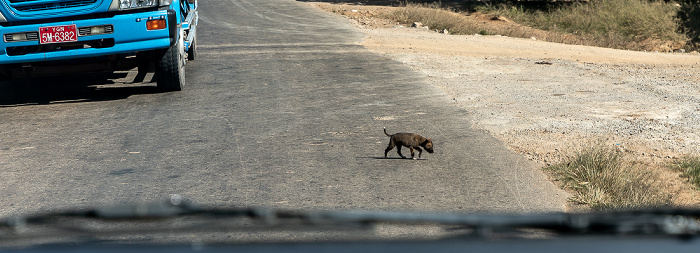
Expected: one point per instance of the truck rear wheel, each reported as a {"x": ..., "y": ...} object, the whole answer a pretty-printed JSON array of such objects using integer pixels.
[{"x": 170, "y": 68}]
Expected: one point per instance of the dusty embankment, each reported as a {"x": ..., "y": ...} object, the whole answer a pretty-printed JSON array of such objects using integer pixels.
[{"x": 545, "y": 99}]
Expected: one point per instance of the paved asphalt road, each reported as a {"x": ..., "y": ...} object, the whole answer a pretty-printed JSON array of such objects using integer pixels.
[{"x": 282, "y": 109}]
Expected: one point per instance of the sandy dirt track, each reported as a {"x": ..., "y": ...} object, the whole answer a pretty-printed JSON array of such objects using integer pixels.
[{"x": 545, "y": 99}]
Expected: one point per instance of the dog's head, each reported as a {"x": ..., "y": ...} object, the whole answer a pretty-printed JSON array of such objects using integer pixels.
[{"x": 428, "y": 145}]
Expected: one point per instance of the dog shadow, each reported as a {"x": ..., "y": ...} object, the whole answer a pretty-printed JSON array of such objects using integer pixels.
[{"x": 389, "y": 158}]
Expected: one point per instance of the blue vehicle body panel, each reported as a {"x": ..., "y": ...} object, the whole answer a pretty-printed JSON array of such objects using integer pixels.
[
  {"x": 121, "y": 34},
  {"x": 24, "y": 10},
  {"x": 130, "y": 35}
]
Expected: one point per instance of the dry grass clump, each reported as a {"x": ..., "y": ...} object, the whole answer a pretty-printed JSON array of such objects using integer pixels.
[
  {"x": 626, "y": 24},
  {"x": 434, "y": 17},
  {"x": 689, "y": 168},
  {"x": 603, "y": 178},
  {"x": 621, "y": 24}
]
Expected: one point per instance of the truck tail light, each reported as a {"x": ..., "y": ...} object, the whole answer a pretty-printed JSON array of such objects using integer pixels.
[{"x": 156, "y": 24}]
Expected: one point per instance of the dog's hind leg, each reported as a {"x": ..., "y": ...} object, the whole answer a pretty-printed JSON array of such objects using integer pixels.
[
  {"x": 388, "y": 148},
  {"x": 398, "y": 150}
]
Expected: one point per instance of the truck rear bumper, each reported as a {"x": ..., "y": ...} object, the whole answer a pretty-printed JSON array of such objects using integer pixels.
[{"x": 128, "y": 35}]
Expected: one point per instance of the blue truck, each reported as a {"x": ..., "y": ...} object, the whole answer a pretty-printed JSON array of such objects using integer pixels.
[{"x": 54, "y": 37}]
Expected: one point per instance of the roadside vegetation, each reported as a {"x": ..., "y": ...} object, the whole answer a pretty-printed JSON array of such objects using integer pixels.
[
  {"x": 440, "y": 18},
  {"x": 652, "y": 25},
  {"x": 605, "y": 178},
  {"x": 436, "y": 17},
  {"x": 626, "y": 24},
  {"x": 689, "y": 168}
]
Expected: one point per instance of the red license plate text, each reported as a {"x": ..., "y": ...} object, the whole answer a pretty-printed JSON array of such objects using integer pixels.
[{"x": 58, "y": 34}]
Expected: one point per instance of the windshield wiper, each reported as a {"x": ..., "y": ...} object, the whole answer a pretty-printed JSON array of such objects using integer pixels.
[{"x": 676, "y": 222}]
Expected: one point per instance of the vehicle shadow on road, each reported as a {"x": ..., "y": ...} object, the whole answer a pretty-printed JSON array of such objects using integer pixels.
[{"x": 68, "y": 89}]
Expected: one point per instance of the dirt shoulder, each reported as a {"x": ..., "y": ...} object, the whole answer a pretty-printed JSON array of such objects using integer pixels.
[
  {"x": 407, "y": 40},
  {"x": 546, "y": 99}
]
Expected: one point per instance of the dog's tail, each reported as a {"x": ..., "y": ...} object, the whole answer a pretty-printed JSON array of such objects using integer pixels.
[{"x": 386, "y": 133}]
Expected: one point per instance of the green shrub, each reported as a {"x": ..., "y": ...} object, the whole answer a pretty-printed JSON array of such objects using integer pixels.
[{"x": 689, "y": 18}]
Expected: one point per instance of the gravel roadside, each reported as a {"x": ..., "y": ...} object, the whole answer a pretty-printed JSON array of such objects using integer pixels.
[{"x": 543, "y": 100}]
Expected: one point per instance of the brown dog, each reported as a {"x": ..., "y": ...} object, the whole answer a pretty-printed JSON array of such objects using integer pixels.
[{"x": 412, "y": 141}]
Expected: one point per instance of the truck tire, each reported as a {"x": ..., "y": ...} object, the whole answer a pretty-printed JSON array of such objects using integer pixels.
[
  {"x": 170, "y": 68},
  {"x": 192, "y": 52}
]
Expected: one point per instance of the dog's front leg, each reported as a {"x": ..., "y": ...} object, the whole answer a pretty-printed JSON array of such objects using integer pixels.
[
  {"x": 413, "y": 152},
  {"x": 420, "y": 151}
]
